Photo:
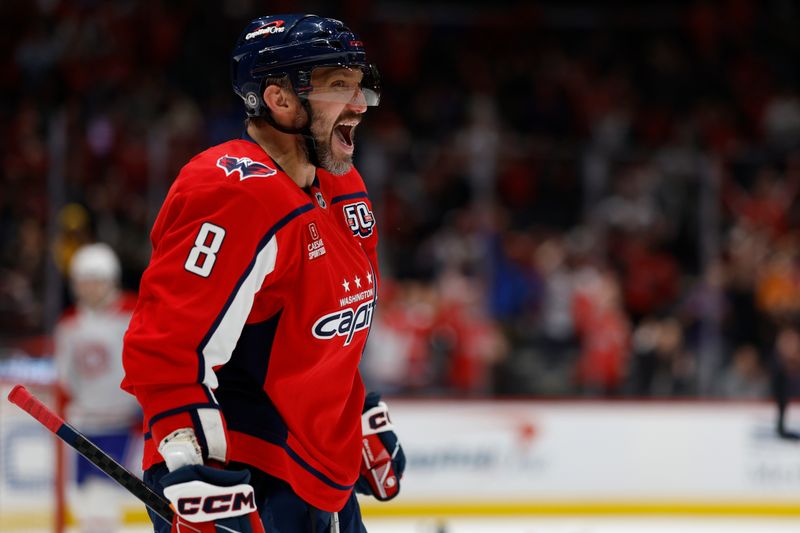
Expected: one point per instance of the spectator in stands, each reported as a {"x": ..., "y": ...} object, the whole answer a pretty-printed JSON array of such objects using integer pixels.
[
  {"x": 744, "y": 378},
  {"x": 604, "y": 333},
  {"x": 662, "y": 365}
]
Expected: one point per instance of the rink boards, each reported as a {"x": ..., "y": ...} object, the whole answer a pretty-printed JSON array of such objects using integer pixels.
[
  {"x": 579, "y": 457},
  {"x": 476, "y": 458}
]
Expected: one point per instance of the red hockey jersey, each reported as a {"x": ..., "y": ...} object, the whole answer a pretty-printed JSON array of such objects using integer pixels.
[{"x": 252, "y": 317}]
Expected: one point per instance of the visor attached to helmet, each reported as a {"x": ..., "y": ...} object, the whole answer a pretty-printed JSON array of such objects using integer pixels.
[{"x": 362, "y": 89}]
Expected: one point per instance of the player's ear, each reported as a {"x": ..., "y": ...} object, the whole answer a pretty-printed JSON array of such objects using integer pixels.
[
  {"x": 275, "y": 98},
  {"x": 284, "y": 105}
]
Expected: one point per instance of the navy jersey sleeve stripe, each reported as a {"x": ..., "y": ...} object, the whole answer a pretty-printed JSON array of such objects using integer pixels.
[
  {"x": 313, "y": 471},
  {"x": 183, "y": 409}
]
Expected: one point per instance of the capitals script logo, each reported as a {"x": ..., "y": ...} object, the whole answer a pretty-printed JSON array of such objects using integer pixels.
[
  {"x": 246, "y": 167},
  {"x": 344, "y": 323}
]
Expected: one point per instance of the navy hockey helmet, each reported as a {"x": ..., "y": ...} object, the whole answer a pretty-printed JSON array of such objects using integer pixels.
[{"x": 293, "y": 46}]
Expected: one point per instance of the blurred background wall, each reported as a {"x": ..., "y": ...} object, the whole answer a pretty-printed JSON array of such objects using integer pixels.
[{"x": 574, "y": 198}]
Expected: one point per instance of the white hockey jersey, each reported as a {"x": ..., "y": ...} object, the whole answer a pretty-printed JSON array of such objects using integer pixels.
[{"x": 88, "y": 352}]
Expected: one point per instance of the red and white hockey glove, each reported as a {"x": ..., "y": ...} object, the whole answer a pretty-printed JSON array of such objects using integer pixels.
[
  {"x": 206, "y": 499},
  {"x": 383, "y": 460}
]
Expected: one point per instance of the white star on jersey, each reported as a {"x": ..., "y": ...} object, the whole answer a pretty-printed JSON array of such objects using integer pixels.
[
  {"x": 358, "y": 281},
  {"x": 369, "y": 278},
  {"x": 346, "y": 285}
]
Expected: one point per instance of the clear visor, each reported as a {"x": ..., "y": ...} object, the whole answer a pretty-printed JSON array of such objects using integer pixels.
[{"x": 348, "y": 86}]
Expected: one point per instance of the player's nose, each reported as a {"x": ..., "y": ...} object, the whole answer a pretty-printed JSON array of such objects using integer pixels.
[{"x": 358, "y": 103}]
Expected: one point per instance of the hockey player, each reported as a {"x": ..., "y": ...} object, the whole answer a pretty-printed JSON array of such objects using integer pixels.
[
  {"x": 88, "y": 350},
  {"x": 244, "y": 348}
]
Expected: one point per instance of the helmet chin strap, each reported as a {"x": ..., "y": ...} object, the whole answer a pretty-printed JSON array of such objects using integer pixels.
[{"x": 305, "y": 131}]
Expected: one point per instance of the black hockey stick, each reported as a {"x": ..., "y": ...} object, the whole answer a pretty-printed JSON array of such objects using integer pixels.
[{"x": 20, "y": 396}]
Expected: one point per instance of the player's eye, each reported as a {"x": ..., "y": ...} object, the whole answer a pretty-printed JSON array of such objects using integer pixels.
[{"x": 341, "y": 85}]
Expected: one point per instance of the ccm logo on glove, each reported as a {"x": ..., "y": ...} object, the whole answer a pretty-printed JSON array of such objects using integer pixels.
[
  {"x": 378, "y": 420},
  {"x": 216, "y": 504},
  {"x": 197, "y": 501}
]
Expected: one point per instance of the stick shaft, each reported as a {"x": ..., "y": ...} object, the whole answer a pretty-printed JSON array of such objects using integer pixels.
[{"x": 29, "y": 403}]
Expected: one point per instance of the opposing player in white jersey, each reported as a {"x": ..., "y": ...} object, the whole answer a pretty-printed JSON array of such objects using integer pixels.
[{"x": 88, "y": 351}]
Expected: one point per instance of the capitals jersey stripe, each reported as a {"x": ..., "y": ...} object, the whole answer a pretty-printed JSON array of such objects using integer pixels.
[
  {"x": 273, "y": 429},
  {"x": 182, "y": 409},
  {"x": 218, "y": 344},
  {"x": 248, "y": 407},
  {"x": 345, "y": 197},
  {"x": 316, "y": 473},
  {"x": 210, "y": 432}
]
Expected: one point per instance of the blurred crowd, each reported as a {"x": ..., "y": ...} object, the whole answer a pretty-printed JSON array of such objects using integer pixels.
[{"x": 572, "y": 199}]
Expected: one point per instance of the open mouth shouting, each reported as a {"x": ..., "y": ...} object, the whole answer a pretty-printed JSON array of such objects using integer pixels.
[{"x": 343, "y": 133}]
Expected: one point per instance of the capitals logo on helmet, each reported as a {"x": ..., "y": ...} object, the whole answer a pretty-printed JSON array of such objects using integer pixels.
[{"x": 246, "y": 167}]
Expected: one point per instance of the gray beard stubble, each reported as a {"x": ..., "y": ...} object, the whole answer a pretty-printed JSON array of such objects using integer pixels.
[{"x": 325, "y": 154}]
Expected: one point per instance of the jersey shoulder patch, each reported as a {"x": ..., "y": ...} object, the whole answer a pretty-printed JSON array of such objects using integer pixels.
[
  {"x": 232, "y": 173},
  {"x": 233, "y": 161},
  {"x": 245, "y": 167}
]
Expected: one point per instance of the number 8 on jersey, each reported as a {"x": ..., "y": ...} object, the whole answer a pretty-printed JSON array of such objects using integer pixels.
[{"x": 202, "y": 257}]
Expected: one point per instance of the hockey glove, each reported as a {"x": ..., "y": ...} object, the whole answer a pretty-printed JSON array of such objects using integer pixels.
[
  {"x": 382, "y": 458},
  {"x": 205, "y": 499},
  {"x": 209, "y": 500}
]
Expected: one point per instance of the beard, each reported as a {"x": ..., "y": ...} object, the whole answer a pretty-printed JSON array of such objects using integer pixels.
[
  {"x": 336, "y": 166},
  {"x": 322, "y": 135}
]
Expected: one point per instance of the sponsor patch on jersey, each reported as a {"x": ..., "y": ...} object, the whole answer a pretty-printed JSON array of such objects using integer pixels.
[
  {"x": 270, "y": 28},
  {"x": 314, "y": 245},
  {"x": 359, "y": 218},
  {"x": 246, "y": 167}
]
